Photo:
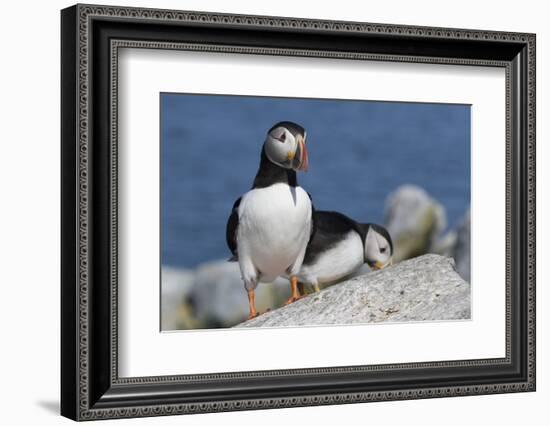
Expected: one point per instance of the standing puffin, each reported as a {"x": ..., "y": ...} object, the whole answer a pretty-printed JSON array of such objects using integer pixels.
[
  {"x": 339, "y": 246},
  {"x": 270, "y": 226}
]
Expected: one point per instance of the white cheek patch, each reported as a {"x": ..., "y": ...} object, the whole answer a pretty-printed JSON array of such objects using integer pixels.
[
  {"x": 293, "y": 144},
  {"x": 371, "y": 245},
  {"x": 290, "y": 144},
  {"x": 382, "y": 245},
  {"x": 276, "y": 150},
  {"x": 374, "y": 244}
]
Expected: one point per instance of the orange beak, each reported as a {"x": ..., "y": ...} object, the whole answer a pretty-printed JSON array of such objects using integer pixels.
[{"x": 301, "y": 157}]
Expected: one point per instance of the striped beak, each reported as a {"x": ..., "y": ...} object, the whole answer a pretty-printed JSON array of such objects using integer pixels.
[
  {"x": 379, "y": 265},
  {"x": 300, "y": 161}
]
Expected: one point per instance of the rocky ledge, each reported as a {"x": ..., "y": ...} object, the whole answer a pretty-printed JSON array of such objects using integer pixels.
[{"x": 426, "y": 288}]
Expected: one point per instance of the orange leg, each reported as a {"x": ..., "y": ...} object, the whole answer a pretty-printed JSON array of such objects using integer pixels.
[
  {"x": 294, "y": 289},
  {"x": 252, "y": 306}
]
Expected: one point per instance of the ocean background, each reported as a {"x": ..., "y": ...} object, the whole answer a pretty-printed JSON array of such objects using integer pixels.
[{"x": 359, "y": 152}]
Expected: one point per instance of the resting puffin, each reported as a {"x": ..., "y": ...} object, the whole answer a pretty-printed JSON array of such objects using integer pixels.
[
  {"x": 270, "y": 226},
  {"x": 339, "y": 246}
]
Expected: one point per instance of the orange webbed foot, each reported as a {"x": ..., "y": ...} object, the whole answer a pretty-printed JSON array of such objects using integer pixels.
[
  {"x": 256, "y": 314},
  {"x": 293, "y": 299},
  {"x": 294, "y": 291}
]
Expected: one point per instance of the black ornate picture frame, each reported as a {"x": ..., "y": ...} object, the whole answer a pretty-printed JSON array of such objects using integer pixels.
[{"x": 90, "y": 385}]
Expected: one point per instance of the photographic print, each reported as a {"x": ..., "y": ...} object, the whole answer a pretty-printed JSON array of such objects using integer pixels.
[
  {"x": 286, "y": 212},
  {"x": 342, "y": 189}
]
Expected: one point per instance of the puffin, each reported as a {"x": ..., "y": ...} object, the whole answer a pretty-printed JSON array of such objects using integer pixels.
[
  {"x": 270, "y": 226},
  {"x": 339, "y": 246}
]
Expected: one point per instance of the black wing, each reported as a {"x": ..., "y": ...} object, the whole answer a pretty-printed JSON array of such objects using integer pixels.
[
  {"x": 231, "y": 230},
  {"x": 313, "y": 227},
  {"x": 330, "y": 228}
]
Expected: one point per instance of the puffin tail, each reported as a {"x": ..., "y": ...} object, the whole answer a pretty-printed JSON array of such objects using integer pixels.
[{"x": 233, "y": 258}]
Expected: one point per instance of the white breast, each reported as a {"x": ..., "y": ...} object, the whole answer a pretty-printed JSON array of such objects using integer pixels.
[
  {"x": 336, "y": 263},
  {"x": 274, "y": 228}
]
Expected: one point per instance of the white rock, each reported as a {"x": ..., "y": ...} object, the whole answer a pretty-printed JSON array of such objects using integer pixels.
[
  {"x": 176, "y": 286},
  {"x": 461, "y": 251},
  {"x": 219, "y": 298},
  {"x": 426, "y": 288},
  {"x": 414, "y": 220}
]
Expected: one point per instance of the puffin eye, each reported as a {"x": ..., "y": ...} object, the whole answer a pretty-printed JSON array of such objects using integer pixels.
[
  {"x": 383, "y": 250},
  {"x": 282, "y": 138}
]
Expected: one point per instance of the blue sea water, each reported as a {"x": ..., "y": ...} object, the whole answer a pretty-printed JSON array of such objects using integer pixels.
[{"x": 359, "y": 152}]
